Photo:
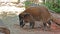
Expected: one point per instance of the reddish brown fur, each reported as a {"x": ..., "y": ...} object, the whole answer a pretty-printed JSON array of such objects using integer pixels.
[
  {"x": 28, "y": 18},
  {"x": 39, "y": 13}
]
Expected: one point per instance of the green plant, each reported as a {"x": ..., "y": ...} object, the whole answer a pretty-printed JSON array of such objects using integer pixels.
[
  {"x": 27, "y": 3},
  {"x": 55, "y": 6}
]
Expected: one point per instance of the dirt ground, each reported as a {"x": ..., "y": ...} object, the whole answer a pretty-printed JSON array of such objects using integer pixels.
[{"x": 13, "y": 24}]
